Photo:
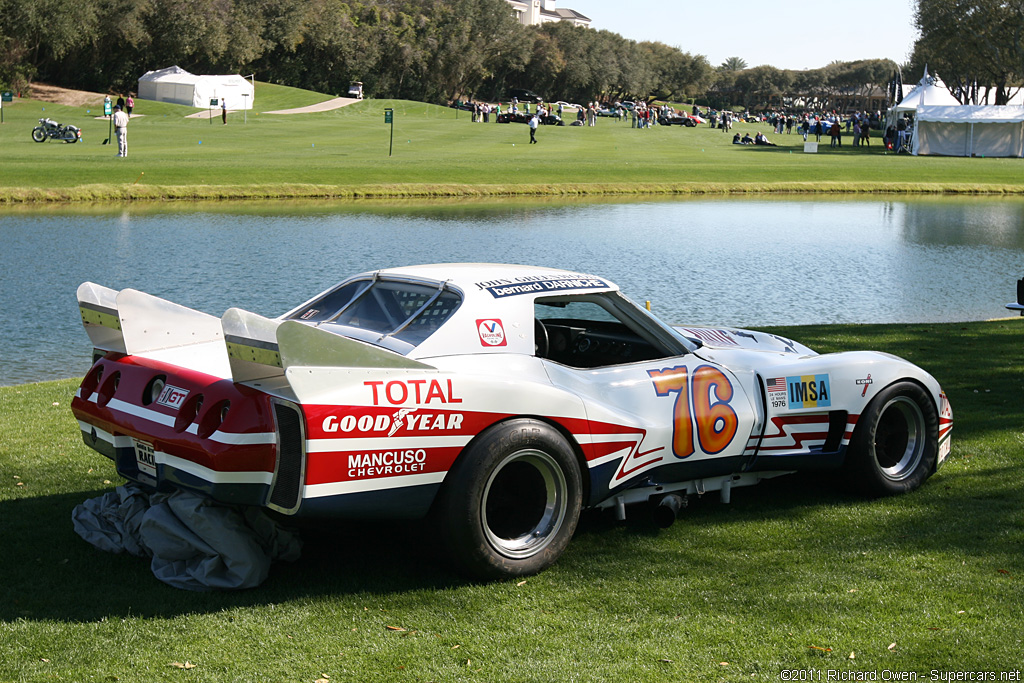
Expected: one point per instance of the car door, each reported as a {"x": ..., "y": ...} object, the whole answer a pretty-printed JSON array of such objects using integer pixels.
[{"x": 651, "y": 420}]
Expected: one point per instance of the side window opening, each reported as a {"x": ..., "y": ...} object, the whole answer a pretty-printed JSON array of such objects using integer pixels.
[{"x": 583, "y": 333}]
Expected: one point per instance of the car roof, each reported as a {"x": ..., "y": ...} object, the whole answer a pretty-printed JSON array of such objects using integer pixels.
[
  {"x": 492, "y": 292},
  {"x": 499, "y": 280}
]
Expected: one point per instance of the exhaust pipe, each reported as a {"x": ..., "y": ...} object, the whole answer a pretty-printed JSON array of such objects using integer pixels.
[{"x": 668, "y": 509}]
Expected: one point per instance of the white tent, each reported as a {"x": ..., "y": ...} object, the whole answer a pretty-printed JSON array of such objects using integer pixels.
[
  {"x": 930, "y": 91},
  {"x": 177, "y": 86},
  {"x": 970, "y": 130}
]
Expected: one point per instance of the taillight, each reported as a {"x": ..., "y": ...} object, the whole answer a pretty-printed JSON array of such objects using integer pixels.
[
  {"x": 91, "y": 381},
  {"x": 108, "y": 388}
]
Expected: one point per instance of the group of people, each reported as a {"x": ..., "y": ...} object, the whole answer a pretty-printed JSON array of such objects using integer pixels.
[
  {"x": 642, "y": 115},
  {"x": 758, "y": 139},
  {"x": 723, "y": 120}
]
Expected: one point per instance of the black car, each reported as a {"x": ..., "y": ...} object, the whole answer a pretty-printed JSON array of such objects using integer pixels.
[
  {"x": 523, "y": 117},
  {"x": 676, "y": 120},
  {"x": 524, "y": 95}
]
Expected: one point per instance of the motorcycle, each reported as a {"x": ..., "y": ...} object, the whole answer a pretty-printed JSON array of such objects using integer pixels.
[{"x": 48, "y": 128}]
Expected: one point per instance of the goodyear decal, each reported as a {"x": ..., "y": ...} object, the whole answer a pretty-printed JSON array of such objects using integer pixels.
[{"x": 808, "y": 391}]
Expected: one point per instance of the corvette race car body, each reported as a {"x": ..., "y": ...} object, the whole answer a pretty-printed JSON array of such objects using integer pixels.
[{"x": 500, "y": 399}]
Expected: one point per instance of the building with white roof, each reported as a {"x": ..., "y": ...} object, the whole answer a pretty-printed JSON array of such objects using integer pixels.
[{"x": 534, "y": 12}]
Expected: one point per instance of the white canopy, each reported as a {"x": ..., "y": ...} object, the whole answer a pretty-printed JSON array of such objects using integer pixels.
[
  {"x": 970, "y": 130},
  {"x": 177, "y": 86},
  {"x": 930, "y": 91}
]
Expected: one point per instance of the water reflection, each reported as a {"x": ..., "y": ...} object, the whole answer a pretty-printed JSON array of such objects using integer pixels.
[{"x": 709, "y": 261}]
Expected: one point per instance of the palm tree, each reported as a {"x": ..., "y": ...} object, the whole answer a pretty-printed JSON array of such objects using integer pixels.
[{"x": 733, "y": 64}]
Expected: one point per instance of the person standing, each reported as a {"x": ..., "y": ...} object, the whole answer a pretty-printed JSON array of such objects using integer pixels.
[
  {"x": 224, "y": 110},
  {"x": 129, "y": 105},
  {"x": 534, "y": 122},
  {"x": 121, "y": 130},
  {"x": 901, "y": 133}
]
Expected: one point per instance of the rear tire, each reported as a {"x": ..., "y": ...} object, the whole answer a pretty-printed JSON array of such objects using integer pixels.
[
  {"x": 38, "y": 134},
  {"x": 895, "y": 444},
  {"x": 510, "y": 505}
]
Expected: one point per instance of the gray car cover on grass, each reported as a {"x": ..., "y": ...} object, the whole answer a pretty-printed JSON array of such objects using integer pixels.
[{"x": 195, "y": 543}]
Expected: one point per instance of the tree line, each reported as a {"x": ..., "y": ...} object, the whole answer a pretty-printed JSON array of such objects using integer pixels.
[
  {"x": 976, "y": 47},
  {"x": 428, "y": 50},
  {"x": 439, "y": 50}
]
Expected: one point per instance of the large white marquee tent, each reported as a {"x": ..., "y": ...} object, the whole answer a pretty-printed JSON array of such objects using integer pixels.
[
  {"x": 177, "y": 86},
  {"x": 969, "y": 130},
  {"x": 929, "y": 92}
]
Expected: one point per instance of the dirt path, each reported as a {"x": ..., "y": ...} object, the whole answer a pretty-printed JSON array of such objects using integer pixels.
[
  {"x": 336, "y": 103},
  {"x": 65, "y": 96}
]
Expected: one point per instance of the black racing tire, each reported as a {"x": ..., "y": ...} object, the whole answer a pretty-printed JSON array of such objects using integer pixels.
[
  {"x": 895, "y": 443},
  {"x": 38, "y": 134},
  {"x": 690, "y": 124},
  {"x": 70, "y": 137},
  {"x": 510, "y": 504}
]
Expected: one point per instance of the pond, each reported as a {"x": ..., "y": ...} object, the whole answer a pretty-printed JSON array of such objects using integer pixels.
[{"x": 722, "y": 261}]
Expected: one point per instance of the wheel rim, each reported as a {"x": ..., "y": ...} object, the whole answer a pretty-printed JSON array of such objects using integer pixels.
[
  {"x": 899, "y": 438},
  {"x": 524, "y": 504}
]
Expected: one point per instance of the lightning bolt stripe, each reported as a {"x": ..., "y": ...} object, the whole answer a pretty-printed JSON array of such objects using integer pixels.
[{"x": 801, "y": 433}]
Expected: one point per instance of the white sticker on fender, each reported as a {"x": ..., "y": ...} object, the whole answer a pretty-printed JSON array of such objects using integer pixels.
[
  {"x": 172, "y": 397},
  {"x": 145, "y": 458}
]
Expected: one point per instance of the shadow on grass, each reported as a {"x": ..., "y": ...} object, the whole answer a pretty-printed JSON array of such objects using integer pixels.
[
  {"x": 49, "y": 573},
  {"x": 807, "y": 520}
]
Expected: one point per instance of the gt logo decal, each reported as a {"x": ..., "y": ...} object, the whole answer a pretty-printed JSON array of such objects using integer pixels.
[{"x": 709, "y": 393}]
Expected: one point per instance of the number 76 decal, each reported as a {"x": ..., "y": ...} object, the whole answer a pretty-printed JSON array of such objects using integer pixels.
[{"x": 702, "y": 405}]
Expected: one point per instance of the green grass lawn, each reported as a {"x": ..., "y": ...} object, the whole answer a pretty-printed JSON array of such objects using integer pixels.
[
  {"x": 437, "y": 151},
  {"x": 792, "y": 575}
]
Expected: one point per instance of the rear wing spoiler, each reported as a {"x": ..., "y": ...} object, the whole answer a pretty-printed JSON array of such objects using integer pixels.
[{"x": 240, "y": 346}]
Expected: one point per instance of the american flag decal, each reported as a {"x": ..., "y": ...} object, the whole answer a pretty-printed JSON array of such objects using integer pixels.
[
  {"x": 776, "y": 384},
  {"x": 712, "y": 337}
]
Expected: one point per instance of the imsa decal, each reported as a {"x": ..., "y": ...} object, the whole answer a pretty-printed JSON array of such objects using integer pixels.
[
  {"x": 799, "y": 391},
  {"x": 808, "y": 391}
]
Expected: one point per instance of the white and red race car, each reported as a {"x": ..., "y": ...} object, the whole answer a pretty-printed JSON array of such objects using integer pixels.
[{"x": 499, "y": 399}]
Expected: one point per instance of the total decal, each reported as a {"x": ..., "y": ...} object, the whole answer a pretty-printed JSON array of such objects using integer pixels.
[{"x": 412, "y": 391}]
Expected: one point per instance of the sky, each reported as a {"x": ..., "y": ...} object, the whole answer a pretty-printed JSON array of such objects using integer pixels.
[{"x": 781, "y": 34}]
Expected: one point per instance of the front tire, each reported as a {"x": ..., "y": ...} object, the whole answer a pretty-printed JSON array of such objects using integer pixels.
[
  {"x": 511, "y": 503},
  {"x": 38, "y": 134},
  {"x": 895, "y": 444}
]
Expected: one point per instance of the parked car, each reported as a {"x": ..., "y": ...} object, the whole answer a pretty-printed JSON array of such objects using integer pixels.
[
  {"x": 525, "y": 95},
  {"x": 499, "y": 400},
  {"x": 523, "y": 117},
  {"x": 678, "y": 120}
]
